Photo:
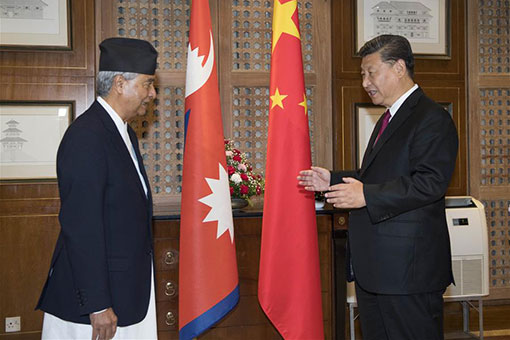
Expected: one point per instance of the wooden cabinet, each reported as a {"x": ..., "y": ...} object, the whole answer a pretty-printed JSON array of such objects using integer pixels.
[
  {"x": 166, "y": 265},
  {"x": 247, "y": 320},
  {"x": 28, "y": 239}
]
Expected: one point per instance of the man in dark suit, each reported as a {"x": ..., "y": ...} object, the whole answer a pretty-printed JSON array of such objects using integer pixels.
[
  {"x": 399, "y": 244},
  {"x": 101, "y": 273}
]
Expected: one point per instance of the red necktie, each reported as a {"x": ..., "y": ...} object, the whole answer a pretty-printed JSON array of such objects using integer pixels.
[{"x": 385, "y": 121}]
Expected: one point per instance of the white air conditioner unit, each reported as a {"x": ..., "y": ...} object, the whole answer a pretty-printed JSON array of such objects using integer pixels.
[{"x": 470, "y": 254}]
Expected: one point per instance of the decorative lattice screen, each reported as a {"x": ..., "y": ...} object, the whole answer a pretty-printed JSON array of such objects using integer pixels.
[
  {"x": 165, "y": 23},
  {"x": 491, "y": 126},
  {"x": 161, "y": 140},
  {"x": 495, "y": 137},
  {"x": 251, "y": 34},
  {"x": 250, "y": 122},
  {"x": 494, "y": 39},
  {"x": 498, "y": 224},
  {"x": 494, "y": 113}
]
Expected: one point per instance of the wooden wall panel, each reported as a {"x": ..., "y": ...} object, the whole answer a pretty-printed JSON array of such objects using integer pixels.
[
  {"x": 489, "y": 131},
  {"x": 346, "y": 95},
  {"x": 454, "y": 98},
  {"x": 68, "y": 76},
  {"x": 78, "y": 61},
  {"x": 76, "y": 90},
  {"x": 346, "y": 65},
  {"x": 29, "y": 229},
  {"x": 443, "y": 79},
  {"x": 29, "y": 209}
]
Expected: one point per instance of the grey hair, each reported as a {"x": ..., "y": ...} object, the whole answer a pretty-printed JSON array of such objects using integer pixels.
[{"x": 104, "y": 80}]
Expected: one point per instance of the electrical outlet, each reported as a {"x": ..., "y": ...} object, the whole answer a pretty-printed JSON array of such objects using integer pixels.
[{"x": 12, "y": 324}]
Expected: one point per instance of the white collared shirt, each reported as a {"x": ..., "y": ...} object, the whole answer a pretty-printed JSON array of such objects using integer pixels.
[
  {"x": 122, "y": 128},
  {"x": 396, "y": 105}
]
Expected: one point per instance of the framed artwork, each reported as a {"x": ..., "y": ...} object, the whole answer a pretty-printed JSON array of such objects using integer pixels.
[
  {"x": 448, "y": 107},
  {"x": 366, "y": 118},
  {"x": 35, "y": 24},
  {"x": 425, "y": 23},
  {"x": 30, "y": 136}
]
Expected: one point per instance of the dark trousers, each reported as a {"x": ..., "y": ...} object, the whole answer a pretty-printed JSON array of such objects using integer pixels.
[{"x": 400, "y": 317}]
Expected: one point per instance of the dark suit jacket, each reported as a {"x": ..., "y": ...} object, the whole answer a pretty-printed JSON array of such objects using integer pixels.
[
  {"x": 103, "y": 254},
  {"x": 399, "y": 242}
]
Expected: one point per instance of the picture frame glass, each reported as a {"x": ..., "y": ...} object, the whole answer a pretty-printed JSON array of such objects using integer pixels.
[
  {"x": 366, "y": 118},
  {"x": 30, "y": 136},
  {"x": 423, "y": 22},
  {"x": 34, "y": 23}
]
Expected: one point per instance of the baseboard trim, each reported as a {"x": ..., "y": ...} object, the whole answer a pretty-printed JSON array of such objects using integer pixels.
[{"x": 493, "y": 332}]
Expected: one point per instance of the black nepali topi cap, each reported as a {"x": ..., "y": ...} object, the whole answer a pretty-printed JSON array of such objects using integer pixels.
[{"x": 127, "y": 55}]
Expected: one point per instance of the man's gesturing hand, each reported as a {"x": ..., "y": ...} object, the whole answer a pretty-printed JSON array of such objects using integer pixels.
[
  {"x": 315, "y": 179},
  {"x": 347, "y": 195},
  {"x": 104, "y": 325}
]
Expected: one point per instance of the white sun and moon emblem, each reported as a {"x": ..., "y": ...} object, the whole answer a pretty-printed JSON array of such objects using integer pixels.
[
  {"x": 196, "y": 74},
  {"x": 219, "y": 199}
]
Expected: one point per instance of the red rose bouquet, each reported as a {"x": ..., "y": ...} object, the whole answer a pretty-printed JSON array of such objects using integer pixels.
[{"x": 243, "y": 182}]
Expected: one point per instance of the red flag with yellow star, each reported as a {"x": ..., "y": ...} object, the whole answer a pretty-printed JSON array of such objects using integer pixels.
[{"x": 289, "y": 278}]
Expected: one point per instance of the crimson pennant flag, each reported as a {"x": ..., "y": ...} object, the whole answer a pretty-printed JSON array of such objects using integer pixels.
[
  {"x": 208, "y": 280},
  {"x": 289, "y": 287}
]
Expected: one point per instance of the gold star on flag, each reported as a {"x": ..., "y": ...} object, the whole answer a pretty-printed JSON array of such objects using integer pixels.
[
  {"x": 304, "y": 104},
  {"x": 277, "y": 99},
  {"x": 282, "y": 20}
]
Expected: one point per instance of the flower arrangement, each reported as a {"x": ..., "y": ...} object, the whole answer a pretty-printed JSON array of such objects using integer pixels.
[
  {"x": 243, "y": 182},
  {"x": 320, "y": 199},
  {"x": 319, "y": 196}
]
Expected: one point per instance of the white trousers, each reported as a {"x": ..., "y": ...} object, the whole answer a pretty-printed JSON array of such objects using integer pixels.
[{"x": 57, "y": 329}]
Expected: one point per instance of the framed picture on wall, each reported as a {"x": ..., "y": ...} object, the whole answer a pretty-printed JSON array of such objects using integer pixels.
[
  {"x": 35, "y": 24},
  {"x": 366, "y": 118},
  {"x": 30, "y": 134},
  {"x": 425, "y": 23}
]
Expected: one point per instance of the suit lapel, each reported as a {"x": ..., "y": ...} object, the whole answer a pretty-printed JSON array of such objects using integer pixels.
[
  {"x": 400, "y": 117},
  {"x": 148, "y": 201},
  {"x": 120, "y": 147},
  {"x": 134, "y": 142}
]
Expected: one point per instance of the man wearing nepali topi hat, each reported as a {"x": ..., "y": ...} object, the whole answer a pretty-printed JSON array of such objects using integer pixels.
[{"x": 101, "y": 279}]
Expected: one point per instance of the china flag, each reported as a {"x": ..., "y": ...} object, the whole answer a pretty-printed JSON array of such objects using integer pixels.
[
  {"x": 289, "y": 287},
  {"x": 208, "y": 280}
]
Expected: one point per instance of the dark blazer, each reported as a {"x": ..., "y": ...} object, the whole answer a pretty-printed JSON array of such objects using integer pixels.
[
  {"x": 103, "y": 254},
  {"x": 399, "y": 241}
]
